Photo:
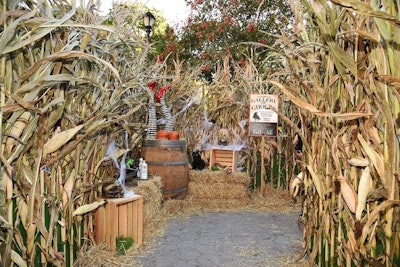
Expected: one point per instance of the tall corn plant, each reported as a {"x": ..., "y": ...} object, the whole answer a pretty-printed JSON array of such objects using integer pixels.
[
  {"x": 225, "y": 100},
  {"x": 68, "y": 87},
  {"x": 341, "y": 70}
]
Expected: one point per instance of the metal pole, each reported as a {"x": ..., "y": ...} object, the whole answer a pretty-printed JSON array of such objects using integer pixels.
[{"x": 148, "y": 30}]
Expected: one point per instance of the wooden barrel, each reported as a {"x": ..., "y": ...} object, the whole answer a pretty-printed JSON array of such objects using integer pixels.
[{"x": 168, "y": 159}]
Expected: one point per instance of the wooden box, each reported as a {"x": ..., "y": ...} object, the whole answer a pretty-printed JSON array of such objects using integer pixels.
[
  {"x": 224, "y": 157},
  {"x": 120, "y": 217}
]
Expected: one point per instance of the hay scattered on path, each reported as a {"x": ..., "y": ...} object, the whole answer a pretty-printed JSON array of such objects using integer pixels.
[{"x": 97, "y": 255}]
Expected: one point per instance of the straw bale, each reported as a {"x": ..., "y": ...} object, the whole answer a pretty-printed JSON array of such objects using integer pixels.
[
  {"x": 153, "y": 220},
  {"x": 212, "y": 177},
  {"x": 151, "y": 190},
  {"x": 217, "y": 190}
]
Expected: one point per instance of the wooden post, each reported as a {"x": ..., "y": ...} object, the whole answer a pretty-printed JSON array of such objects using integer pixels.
[
  {"x": 272, "y": 163},
  {"x": 262, "y": 178}
]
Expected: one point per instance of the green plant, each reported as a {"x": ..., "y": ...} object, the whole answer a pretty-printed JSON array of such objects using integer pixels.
[{"x": 123, "y": 244}]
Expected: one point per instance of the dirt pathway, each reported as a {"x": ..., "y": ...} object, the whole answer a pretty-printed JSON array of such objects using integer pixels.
[{"x": 228, "y": 238}]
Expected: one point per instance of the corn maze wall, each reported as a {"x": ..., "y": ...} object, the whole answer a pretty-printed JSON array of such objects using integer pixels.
[
  {"x": 66, "y": 92},
  {"x": 341, "y": 70}
]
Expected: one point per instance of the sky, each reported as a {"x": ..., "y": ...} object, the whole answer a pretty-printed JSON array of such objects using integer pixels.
[{"x": 174, "y": 10}]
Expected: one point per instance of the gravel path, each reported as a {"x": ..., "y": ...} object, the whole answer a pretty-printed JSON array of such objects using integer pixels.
[{"x": 239, "y": 238}]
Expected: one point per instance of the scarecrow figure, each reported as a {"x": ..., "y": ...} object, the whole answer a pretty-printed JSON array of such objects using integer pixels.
[
  {"x": 166, "y": 112},
  {"x": 169, "y": 120}
]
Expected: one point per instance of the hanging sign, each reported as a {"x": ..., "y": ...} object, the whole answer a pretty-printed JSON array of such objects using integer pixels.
[{"x": 263, "y": 119}]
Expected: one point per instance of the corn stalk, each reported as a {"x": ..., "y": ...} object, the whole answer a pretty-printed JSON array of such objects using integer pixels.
[
  {"x": 340, "y": 70},
  {"x": 66, "y": 92}
]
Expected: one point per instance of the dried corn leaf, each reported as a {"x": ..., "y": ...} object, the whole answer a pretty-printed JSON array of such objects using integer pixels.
[
  {"x": 376, "y": 159},
  {"x": 70, "y": 55},
  {"x": 22, "y": 210},
  {"x": 9, "y": 33},
  {"x": 60, "y": 139},
  {"x": 88, "y": 208},
  {"x": 375, "y": 215},
  {"x": 392, "y": 80},
  {"x": 349, "y": 115},
  {"x": 17, "y": 259},
  {"x": 68, "y": 187},
  {"x": 307, "y": 106},
  {"x": 296, "y": 100},
  {"x": 30, "y": 238},
  {"x": 319, "y": 186},
  {"x": 32, "y": 36},
  {"x": 28, "y": 132},
  {"x": 17, "y": 129},
  {"x": 367, "y": 9}
]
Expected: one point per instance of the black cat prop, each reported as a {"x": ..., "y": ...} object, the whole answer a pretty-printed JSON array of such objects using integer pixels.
[{"x": 198, "y": 163}]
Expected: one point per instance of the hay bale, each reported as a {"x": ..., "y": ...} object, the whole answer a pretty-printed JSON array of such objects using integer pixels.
[
  {"x": 213, "y": 177},
  {"x": 217, "y": 190},
  {"x": 151, "y": 190},
  {"x": 218, "y": 185}
]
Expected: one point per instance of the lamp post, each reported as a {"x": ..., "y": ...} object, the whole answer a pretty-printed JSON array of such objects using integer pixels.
[{"x": 148, "y": 21}]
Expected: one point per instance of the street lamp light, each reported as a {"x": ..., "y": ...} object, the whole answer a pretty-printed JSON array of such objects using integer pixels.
[{"x": 148, "y": 20}]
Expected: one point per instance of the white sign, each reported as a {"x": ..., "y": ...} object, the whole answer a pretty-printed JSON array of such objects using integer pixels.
[{"x": 263, "y": 119}]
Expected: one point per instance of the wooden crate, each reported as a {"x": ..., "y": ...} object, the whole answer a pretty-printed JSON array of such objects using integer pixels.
[
  {"x": 224, "y": 157},
  {"x": 120, "y": 217}
]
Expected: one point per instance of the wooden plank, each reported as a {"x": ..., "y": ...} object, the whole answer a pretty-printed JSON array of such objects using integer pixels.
[
  {"x": 224, "y": 158},
  {"x": 140, "y": 221},
  {"x": 98, "y": 228},
  {"x": 113, "y": 230},
  {"x": 107, "y": 223},
  {"x": 122, "y": 210},
  {"x": 135, "y": 220},
  {"x": 103, "y": 226},
  {"x": 235, "y": 161},
  {"x": 212, "y": 159},
  {"x": 123, "y": 200},
  {"x": 130, "y": 226},
  {"x": 224, "y": 155}
]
